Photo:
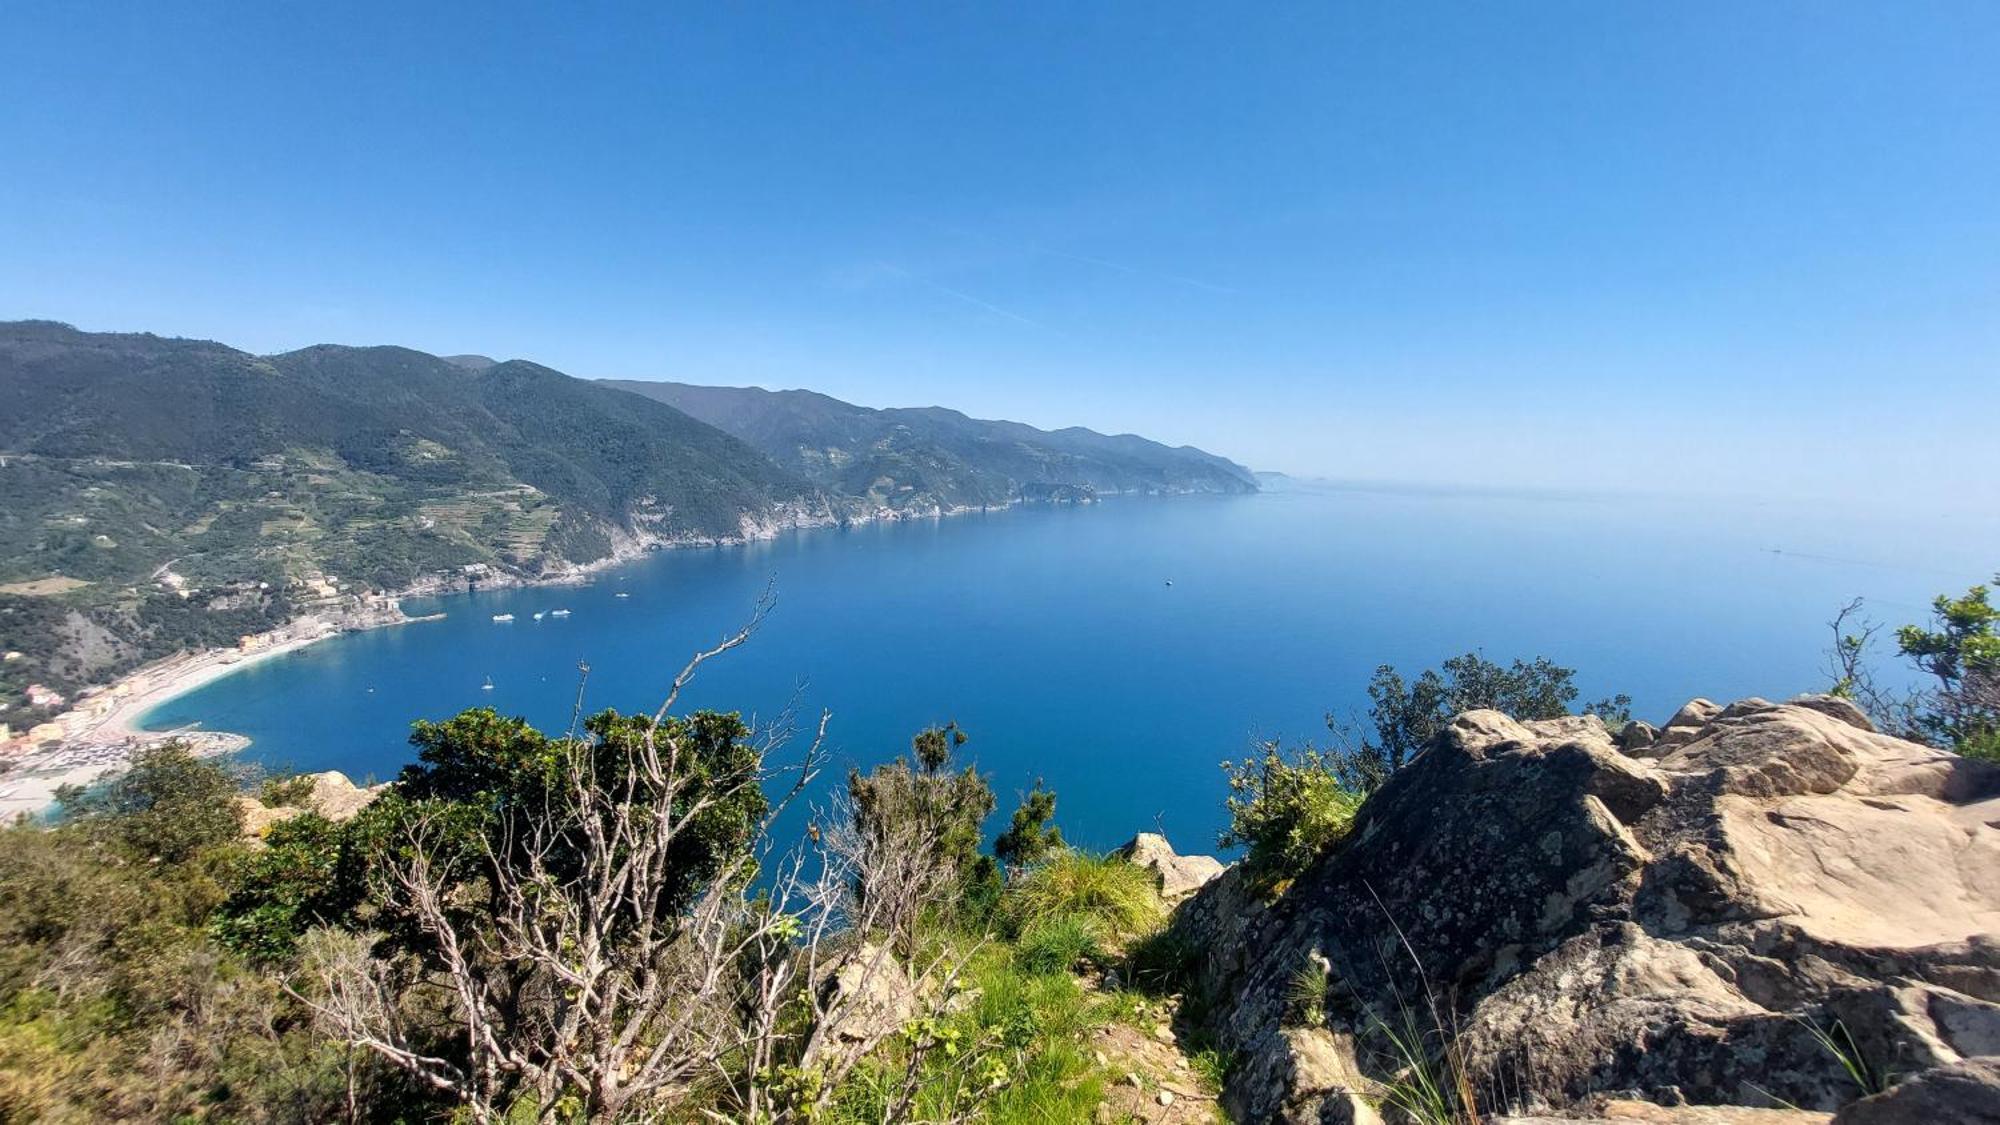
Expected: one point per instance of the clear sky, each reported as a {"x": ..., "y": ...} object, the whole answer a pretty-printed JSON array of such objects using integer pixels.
[{"x": 1732, "y": 248}]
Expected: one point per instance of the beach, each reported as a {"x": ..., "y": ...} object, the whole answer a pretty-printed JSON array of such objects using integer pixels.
[{"x": 103, "y": 731}]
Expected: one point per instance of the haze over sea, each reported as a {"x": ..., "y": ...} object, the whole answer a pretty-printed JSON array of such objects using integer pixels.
[{"x": 1053, "y": 636}]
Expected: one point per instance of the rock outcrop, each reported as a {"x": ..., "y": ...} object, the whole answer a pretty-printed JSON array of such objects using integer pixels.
[
  {"x": 1180, "y": 875},
  {"x": 333, "y": 797},
  {"x": 1964, "y": 1093},
  {"x": 1669, "y": 921}
]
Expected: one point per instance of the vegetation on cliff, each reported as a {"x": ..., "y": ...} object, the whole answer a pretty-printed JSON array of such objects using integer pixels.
[{"x": 601, "y": 925}]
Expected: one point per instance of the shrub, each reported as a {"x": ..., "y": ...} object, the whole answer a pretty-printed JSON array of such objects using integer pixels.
[
  {"x": 1030, "y": 838},
  {"x": 286, "y": 791},
  {"x": 948, "y": 804},
  {"x": 1408, "y": 715},
  {"x": 1957, "y": 704},
  {"x": 1286, "y": 812},
  {"x": 168, "y": 805}
]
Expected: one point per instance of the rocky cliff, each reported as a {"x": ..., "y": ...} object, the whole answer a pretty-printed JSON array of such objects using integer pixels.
[{"x": 1667, "y": 921}]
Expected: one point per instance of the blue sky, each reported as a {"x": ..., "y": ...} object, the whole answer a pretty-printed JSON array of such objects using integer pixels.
[{"x": 1726, "y": 248}]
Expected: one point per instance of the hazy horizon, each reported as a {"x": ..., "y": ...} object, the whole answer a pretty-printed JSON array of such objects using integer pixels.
[{"x": 1700, "y": 249}]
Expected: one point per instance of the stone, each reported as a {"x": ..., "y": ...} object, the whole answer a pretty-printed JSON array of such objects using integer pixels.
[
  {"x": 1180, "y": 875},
  {"x": 1165, "y": 1097},
  {"x": 1591, "y": 924},
  {"x": 1693, "y": 715},
  {"x": 1626, "y": 1112},
  {"x": 333, "y": 797},
  {"x": 870, "y": 993},
  {"x": 1966, "y": 1092},
  {"x": 1638, "y": 737}
]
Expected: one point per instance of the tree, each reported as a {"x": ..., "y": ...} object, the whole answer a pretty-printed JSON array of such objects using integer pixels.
[
  {"x": 610, "y": 932},
  {"x": 1288, "y": 809},
  {"x": 1962, "y": 654},
  {"x": 168, "y": 805},
  {"x": 1407, "y": 715},
  {"x": 1958, "y": 707},
  {"x": 1030, "y": 838},
  {"x": 931, "y": 799}
]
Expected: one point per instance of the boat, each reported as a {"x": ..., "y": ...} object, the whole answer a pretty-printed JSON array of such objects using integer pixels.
[
  {"x": 621, "y": 594},
  {"x": 488, "y": 685},
  {"x": 503, "y": 617},
  {"x": 559, "y": 613},
  {"x": 538, "y": 617},
  {"x": 1170, "y": 581}
]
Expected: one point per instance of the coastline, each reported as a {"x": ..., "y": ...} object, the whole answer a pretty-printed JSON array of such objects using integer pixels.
[{"x": 103, "y": 733}]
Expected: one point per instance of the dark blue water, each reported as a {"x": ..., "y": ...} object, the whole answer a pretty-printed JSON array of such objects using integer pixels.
[{"x": 1052, "y": 635}]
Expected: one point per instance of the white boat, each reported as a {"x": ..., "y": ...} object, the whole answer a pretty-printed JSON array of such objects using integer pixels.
[
  {"x": 621, "y": 594},
  {"x": 538, "y": 617},
  {"x": 503, "y": 617},
  {"x": 487, "y": 686},
  {"x": 559, "y": 613}
]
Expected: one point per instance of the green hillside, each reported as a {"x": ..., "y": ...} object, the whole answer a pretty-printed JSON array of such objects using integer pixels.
[
  {"x": 160, "y": 493},
  {"x": 930, "y": 457}
]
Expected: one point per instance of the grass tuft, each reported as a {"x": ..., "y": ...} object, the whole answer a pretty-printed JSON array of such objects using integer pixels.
[{"x": 1116, "y": 897}]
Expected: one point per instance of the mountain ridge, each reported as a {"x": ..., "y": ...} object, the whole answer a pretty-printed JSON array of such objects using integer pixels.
[{"x": 928, "y": 458}]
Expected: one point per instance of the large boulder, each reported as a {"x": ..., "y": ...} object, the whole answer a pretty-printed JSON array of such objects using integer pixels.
[
  {"x": 333, "y": 797},
  {"x": 1180, "y": 875},
  {"x": 1682, "y": 927}
]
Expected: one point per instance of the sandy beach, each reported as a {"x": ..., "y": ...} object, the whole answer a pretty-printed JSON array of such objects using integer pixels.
[{"x": 103, "y": 731}]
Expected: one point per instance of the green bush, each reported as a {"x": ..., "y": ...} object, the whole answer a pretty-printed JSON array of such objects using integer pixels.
[
  {"x": 167, "y": 806},
  {"x": 1286, "y": 812},
  {"x": 286, "y": 791}
]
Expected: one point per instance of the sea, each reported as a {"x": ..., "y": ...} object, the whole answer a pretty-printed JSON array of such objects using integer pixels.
[{"x": 1121, "y": 651}]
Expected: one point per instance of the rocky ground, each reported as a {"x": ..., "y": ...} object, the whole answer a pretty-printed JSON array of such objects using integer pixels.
[{"x": 1605, "y": 930}]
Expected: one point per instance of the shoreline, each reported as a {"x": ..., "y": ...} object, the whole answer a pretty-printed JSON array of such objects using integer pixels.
[{"x": 103, "y": 732}]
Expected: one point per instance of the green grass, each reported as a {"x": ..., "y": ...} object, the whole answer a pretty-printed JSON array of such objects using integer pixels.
[
  {"x": 1060, "y": 944},
  {"x": 1839, "y": 1043},
  {"x": 1019, "y": 1051},
  {"x": 1104, "y": 891}
]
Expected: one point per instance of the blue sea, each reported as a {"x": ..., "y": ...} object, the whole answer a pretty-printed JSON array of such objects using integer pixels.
[{"x": 1121, "y": 651}]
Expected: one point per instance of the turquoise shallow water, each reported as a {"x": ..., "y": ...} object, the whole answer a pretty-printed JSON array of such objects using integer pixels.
[{"x": 1052, "y": 634}]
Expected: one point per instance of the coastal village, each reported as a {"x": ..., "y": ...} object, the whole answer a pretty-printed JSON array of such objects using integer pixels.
[{"x": 100, "y": 729}]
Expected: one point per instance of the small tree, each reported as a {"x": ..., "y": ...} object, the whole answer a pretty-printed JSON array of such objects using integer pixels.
[
  {"x": 610, "y": 931},
  {"x": 1287, "y": 810},
  {"x": 1030, "y": 838},
  {"x": 931, "y": 799},
  {"x": 1958, "y": 707},
  {"x": 1962, "y": 654},
  {"x": 168, "y": 805}
]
